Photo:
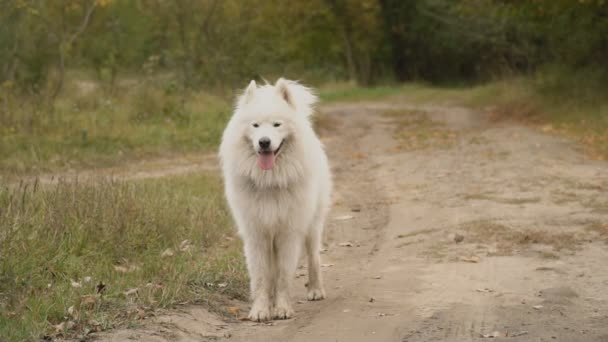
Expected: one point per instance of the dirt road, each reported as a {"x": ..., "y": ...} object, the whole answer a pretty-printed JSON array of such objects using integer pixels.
[{"x": 454, "y": 229}]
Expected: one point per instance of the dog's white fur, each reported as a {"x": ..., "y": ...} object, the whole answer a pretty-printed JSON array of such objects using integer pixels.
[{"x": 281, "y": 210}]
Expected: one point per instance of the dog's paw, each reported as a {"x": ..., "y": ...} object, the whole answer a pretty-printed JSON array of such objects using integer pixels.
[
  {"x": 315, "y": 293},
  {"x": 283, "y": 311},
  {"x": 259, "y": 313}
]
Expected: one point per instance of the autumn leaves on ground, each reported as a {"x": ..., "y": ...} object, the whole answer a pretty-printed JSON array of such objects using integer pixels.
[{"x": 85, "y": 254}]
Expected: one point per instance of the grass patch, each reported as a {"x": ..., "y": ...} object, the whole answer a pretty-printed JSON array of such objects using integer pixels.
[
  {"x": 90, "y": 126},
  {"x": 565, "y": 105},
  {"x": 414, "y": 130},
  {"x": 337, "y": 92},
  {"x": 599, "y": 228},
  {"x": 77, "y": 257},
  {"x": 572, "y": 103},
  {"x": 508, "y": 239}
]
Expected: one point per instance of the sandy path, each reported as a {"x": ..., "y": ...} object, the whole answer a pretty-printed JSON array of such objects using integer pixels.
[{"x": 529, "y": 212}]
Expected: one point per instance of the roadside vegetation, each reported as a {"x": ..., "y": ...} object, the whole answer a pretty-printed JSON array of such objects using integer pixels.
[
  {"x": 91, "y": 127},
  {"x": 574, "y": 105},
  {"x": 80, "y": 257}
]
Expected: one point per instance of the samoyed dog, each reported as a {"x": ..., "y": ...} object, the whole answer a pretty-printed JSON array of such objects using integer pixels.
[{"x": 278, "y": 186}]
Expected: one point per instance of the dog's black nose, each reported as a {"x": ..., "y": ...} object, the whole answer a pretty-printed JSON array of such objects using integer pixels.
[{"x": 264, "y": 142}]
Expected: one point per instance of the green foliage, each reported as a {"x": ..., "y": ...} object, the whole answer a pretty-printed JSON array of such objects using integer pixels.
[{"x": 217, "y": 43}]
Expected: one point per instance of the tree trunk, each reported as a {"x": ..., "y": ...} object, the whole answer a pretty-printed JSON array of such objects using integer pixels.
[
  {"x": 340, "y": 11},
  {"x": 395, "y": 15}
]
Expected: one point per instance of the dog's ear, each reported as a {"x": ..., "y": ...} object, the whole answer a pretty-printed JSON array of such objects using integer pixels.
[
  {"x": 282, "y": 86},
  {"x": 299, "y": 97},
  {"x": 249, "y": 91}
]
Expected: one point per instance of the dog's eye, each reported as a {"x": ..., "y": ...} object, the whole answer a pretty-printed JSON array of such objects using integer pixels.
[
  {"x": 256, "y": 125},
  {"x": 277, "y": 124}
]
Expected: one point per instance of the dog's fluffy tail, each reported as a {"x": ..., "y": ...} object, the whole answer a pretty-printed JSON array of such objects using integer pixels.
[{"x": 297, "y": 95}]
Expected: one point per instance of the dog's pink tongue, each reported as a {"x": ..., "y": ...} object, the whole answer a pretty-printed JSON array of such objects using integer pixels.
[{"x": 266, "y": 161}]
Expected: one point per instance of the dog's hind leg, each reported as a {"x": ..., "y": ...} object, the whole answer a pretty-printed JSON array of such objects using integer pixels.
[
  {"x": 287, "y": 252},
  {"x": 258, "y": 252},
  {"x": 313, "y": 248}
]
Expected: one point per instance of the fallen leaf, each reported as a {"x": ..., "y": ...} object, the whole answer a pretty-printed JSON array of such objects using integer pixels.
[
  {"x": 547, "y": 128},
  {"x": 125, "y": 269},
  {"x": 59, "y": 328},
  {"x": 473, "y": 259},
  {"x": 121, "y": 269},
  {"x": 167, "y": 253},
  {"x": 141, "y": 313},
  {"x": 131, "y": 292},
  {"x": 343, "y": 217},
  {"x": 154, "y": 286},
  {"x": 458, "y": 238},
  {"x": 184, "y": 245},
  {"x": 88, "y": 301},
  {"x": 100, "y": 288},
  {"x": 345, "y": 244},
  {"x": 234, "y": 311},
  {"x": 493, "y": 334}
]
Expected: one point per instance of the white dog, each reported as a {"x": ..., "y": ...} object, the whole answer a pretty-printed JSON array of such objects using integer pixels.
[{"x": 278, "y": 187}]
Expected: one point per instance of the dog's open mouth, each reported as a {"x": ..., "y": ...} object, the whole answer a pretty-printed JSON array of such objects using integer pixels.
[{"x": 266, "y": 158}]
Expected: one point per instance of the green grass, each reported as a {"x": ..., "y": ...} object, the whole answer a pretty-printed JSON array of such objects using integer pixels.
[
  {"x": 59, "y": 242},
  {"x": 337, "y": 92},
  {"x": 89, "y": 126}
]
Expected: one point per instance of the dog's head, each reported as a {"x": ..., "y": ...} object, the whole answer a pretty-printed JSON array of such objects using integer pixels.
[{"x": 272, "y": 115}]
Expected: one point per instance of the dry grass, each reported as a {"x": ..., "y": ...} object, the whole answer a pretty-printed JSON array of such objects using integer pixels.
[
  {"x": 508, "y": 239},
  {"x": 414, "y": 130},
  {"x": 599, "y": 228},
  {"x": 417, "y": 232},
  {"x": 556, "y": 103},
  {"x": 78, "y": 257},
  {"x": 141, "y": 118},
  {"x": 502, "y": 200},
  {"x": 566, "y": 103}
]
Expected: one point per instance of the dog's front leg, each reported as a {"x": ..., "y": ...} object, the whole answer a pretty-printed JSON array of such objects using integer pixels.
[
  {"x": 287, "y": 251},
  {"x": 258, "y": 252}
]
